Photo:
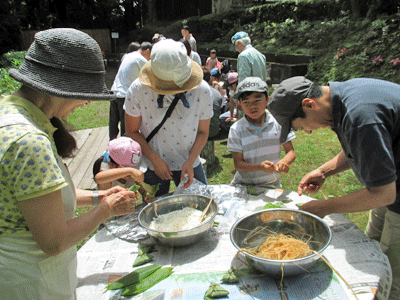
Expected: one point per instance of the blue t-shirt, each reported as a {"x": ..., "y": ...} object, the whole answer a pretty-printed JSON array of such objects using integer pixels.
[{"x": 366, "y": 119}]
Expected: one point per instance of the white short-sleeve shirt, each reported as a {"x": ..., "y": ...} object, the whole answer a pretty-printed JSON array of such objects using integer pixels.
[
  {"x": 128, "y": 72},
  {"x": 175, "y": 139},
  {"x": 256, "y": 147}
]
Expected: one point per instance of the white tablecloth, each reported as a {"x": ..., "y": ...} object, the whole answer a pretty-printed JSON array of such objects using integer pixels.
[{"x": 357, "y": 258}]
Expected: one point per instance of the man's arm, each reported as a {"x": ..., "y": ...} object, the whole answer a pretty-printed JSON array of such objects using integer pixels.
[{"x": 362, "y": 200}]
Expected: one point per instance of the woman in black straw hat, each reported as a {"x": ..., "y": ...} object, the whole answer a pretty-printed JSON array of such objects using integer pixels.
[{"x": 63, "y": 69}]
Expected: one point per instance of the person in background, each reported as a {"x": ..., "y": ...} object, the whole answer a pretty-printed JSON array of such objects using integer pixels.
[
  {"x": 124, "y": 165},
  {"x": 254, "y": 140},
  {"x": 63, "y": 69},
  {"x": 174, "y": 149},
  {"x": 217, "y": 103},
  {"x": 212, "y": 60},
  {"x": 192, "y": 54},
  {"x": 251, "y": 62},
  {"x": 185, "y": 31},
  {"x": 127, "y": 73},
  {"x": 365, "y": 115},
  {"x": 235, "y": 110},
  {"x": 216, "y": 82},
  {"x": 134, "y": 46},
  {"x": 157, "y": 37}
]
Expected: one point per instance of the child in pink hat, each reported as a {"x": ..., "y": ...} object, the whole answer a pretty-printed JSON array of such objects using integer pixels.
[{"x": 125, "y": 167}]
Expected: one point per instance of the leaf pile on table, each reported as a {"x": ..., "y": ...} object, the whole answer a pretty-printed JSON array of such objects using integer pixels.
[{"x": 140, "y": 279}]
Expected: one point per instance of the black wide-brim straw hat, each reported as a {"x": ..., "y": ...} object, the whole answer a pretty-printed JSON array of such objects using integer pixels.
[{"x": 65, "y": 63}]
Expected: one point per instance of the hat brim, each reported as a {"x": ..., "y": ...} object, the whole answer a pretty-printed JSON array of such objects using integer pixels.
[
  {"x": 237, "y": 95},
  {"x": 63, "y": 83},
  {"x": 285, "y": 124},
  {"x": 168, "y": 87}
]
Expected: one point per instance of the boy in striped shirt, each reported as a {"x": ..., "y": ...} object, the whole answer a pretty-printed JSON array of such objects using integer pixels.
[{"x": 255, "y": 139}]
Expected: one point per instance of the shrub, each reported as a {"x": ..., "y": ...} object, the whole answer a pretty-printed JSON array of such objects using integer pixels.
[
  {"x": 7, "y": 84},
  {"x": 7, "y": 59}
]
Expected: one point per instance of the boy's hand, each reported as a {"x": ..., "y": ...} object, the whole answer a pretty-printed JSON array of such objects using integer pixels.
[
  {"x": 268, "y": 166},
  {"x": 282, "y": 167}
]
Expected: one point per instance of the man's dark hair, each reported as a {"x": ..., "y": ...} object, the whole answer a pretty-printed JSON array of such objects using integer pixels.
[
  {"x": 186, "y": 27},
  {"x": 146, "y": 45},
  {"x": 134, "y": 46},
  {"x": 315, "y": 92}
]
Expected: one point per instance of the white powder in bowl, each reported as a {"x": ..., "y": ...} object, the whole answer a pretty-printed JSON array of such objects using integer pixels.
[{"x": 182, "y": 219}]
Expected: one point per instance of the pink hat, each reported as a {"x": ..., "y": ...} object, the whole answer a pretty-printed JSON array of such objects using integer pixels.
[
  {"x": 125, "y": 152},
  {"x": 232, "y": 77}
]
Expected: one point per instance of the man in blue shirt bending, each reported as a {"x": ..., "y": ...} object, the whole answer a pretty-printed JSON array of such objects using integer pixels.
[{"x": 365, "y": 115}]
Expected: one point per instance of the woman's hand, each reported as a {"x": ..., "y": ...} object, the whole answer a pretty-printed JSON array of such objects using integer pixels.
[
  {"x": 119, "y": 201},
  {"x": 187, "y": 168},
  {"x": 162, "y": 169}
]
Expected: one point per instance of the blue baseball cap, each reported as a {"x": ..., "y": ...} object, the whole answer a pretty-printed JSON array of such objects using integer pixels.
[
  {"x": 214, "y": 71},
  {"x": 239, "y": 35}
]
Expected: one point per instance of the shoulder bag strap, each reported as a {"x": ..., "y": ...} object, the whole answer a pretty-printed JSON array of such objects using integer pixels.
[{"x": 167, "y": 115}]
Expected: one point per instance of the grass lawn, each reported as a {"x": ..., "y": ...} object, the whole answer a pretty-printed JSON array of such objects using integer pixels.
[{"x": 312, "y": 151}]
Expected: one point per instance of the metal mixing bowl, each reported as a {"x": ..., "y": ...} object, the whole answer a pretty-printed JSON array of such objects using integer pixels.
[
  {"x": 172, "y": 203},
  {"x": 298, "y": 222}
]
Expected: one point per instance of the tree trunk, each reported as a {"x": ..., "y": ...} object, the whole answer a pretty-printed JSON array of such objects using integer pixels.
[{"x": 355, "y": 8}]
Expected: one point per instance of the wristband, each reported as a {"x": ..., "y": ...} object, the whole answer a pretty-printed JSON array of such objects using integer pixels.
[{"x": 95, "y": 198}]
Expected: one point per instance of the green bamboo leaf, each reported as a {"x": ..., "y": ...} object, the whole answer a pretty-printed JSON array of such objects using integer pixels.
[
  {"x": 274, "y": 205},
  {"x": 133, "y": 277},
  {"x": 148, "y": 282},
  {"x": 134, "y": 188}
]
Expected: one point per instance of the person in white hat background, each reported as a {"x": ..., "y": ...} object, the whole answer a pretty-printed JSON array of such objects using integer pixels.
[
  {"x": 174, "y": 150},
  {"x": 63, "y": 69}
]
